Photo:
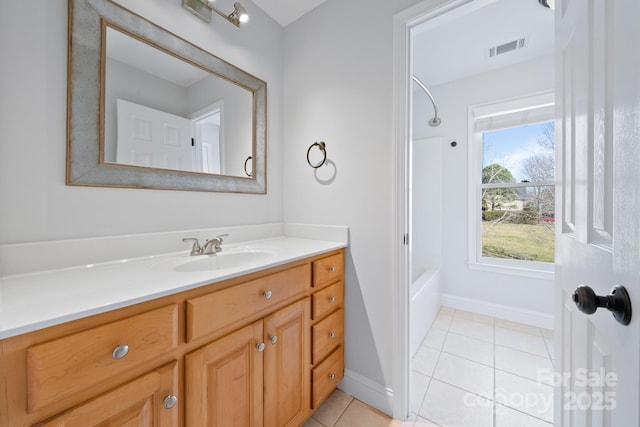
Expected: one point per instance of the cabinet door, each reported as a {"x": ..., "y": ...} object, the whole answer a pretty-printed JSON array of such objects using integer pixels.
[
  {"x": 148, "y": 401},
  {"x": 224, "y": 381},
  {"x": 287, "y": 366}
]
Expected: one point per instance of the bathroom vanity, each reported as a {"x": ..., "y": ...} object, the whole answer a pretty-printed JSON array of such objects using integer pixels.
[{"x": 261, "y": 347}]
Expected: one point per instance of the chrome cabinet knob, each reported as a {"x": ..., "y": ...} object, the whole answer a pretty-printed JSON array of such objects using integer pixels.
[
  {"x": 170, "y": 401},
  {"x": 332, "y": 335},
  {"x": 333, "y": 269},
  {"x": 332, "y": 376},
  {"x": 120, "y": 351},
  {"x": 267, "y": 294},
  {"x": 332, "y": 299},
  {"x": 260, "y": 346},
  {"x": 273, "y": 339}
]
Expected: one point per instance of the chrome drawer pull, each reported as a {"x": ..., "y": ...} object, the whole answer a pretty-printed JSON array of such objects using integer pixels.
[
  {"x": 332, "y": 335},
  {"x": 260, "y": 346},
  {"x": 333, "y": 269},
  {"x": 120, "y": 351},
  {"x": 273, "y": 339},
  {"x": 332, "y": 376},
  {"x": 332, "y": 299},
  {"x": 267, "y": 294},
  {"x": 170, "y": 401}
]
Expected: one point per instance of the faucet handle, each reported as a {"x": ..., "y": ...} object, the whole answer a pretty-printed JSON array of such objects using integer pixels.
[
  {"x": 195, "y": 249},
  {"x": 212, "y": 246}
]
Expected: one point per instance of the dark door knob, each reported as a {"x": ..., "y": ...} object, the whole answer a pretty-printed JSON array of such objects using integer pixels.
[{"x": 617, "y": 302}]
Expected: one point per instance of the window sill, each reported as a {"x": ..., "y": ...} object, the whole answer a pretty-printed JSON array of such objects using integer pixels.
[{"x": 545, "y": 274}]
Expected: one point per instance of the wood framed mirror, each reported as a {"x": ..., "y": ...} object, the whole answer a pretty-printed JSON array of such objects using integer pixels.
[{"x": 141, "y": 101}]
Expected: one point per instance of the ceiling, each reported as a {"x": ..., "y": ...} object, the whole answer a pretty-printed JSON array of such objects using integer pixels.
[
  {"x": 455, "y": 45},
  {"x": 285, "y": 12}
]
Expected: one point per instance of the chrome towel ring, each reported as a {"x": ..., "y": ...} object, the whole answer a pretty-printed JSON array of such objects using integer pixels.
[
  {"x": 245, "y": 166},
  {"x": 322, "y": 146}
]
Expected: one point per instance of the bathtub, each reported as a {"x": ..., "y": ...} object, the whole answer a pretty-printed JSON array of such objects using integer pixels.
[{"x": 424, "y": 306}]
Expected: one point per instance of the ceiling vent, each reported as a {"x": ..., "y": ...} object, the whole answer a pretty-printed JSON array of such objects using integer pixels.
[{"x": 507, "y": 47}]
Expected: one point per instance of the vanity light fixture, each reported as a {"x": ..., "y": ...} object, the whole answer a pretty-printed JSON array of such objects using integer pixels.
[
  {"x": 202, "y": 9},
  {"x": 551, "y": 4}
]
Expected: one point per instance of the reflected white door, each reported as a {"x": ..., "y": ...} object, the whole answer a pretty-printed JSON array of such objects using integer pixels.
[
  {"x": 598, "y": 109},
  {"x": 149, "y": 137}
]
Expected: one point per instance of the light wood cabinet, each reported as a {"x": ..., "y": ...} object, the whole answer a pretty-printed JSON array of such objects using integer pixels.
[
  {"x": 327, "y": 327},
  {"x": 68, "y": 365},
  {"x": 224, "y": 381},
  {"x": 195, "y": 358},
  {"x": 148, "y": 401},
  {"x": 286, "y": 366}
]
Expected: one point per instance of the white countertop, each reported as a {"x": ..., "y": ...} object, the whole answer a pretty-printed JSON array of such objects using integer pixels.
[{"x": 37, "y": 300}]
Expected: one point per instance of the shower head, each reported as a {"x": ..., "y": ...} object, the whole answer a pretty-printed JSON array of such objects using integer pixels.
[{"x": 435, "y": 121}]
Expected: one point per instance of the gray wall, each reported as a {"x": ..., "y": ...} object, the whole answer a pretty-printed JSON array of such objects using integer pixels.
[{"x": 36, "y": 205}]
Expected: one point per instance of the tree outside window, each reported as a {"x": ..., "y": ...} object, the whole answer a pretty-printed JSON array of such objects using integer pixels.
[{"x": 518, "y": 193}]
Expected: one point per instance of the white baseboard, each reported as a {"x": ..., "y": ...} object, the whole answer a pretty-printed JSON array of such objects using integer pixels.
[
  {"x": 528, "y": 317},
  {"x": 367, "y": 391}
]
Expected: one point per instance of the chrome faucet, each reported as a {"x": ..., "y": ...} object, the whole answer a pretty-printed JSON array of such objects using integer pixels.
[
  {"x": 216, "y": 242},
  {"x": 211, "y": 246}
]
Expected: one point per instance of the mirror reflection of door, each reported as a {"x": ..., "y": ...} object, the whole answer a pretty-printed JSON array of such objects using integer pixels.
[
  {"x": 153, "y": 138},
  {"x": 208, "y": 139},
  {"x": 198, "y": 121}
]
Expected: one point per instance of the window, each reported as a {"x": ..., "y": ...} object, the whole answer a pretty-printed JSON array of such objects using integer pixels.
[{"x": 512, "y": 188}]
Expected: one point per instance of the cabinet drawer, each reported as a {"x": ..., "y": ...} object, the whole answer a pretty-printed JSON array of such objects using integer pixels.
[
  {"x": 326, "y": 376},
  {"x": 328, "y": 269},
  {"x": 222, "y": 308},
  {"x": 143, "y": 401},
  {"x": 65, "y": 366},
  {"x": 327, "y": 335},
  {"x": 327, "y": 300}
]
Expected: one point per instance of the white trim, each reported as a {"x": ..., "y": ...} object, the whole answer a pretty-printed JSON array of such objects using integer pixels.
[
  {"x": 505, "y": 107},
  {"x": 528, "y": 317},
  {"x": 369, "y": 392},
  {"x": 545, "y": 272},
  {"x": 403, "y": 23}
]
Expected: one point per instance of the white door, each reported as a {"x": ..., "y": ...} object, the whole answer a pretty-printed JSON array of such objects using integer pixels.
[
  {"x": 153, "y": 138},
  {"x": 598, "y": 226}
]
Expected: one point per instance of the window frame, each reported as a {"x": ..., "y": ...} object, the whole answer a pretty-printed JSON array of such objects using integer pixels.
[{"x": 513, "y": 112}]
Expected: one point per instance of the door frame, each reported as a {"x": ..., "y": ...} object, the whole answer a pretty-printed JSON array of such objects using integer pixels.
[{"x": 403, "y": 23}]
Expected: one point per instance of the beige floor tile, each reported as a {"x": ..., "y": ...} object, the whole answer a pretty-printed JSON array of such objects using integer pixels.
[
  {"x": 476, "y": 317},
  {"x": 435, "y": 338},
  {"x": 526, "y": 396},
  {"x": 421, "y": 422},
  {"x": 419, "y": 385},
  {"x": 520, "y": 327},
  {"x": 469, "y": 348},
  {"x": 521, "y": 341},
  {"x": 358, "y": 414},
  {"x": 329, "y": 412},
  {"x": 526, "y": 365},
  {"x": 507, "y": 417},
  {"x": 447, "y": 310},
  {"x": 447, "y": 405},
  {"x": 425, "y": 360},
  {"x": 549, "y": 340},
  {"x": 465, "y": 374},
  {"x": 312, "y": 423},
  {"x": 470, "y": 328},
  {"x": 442, "y": 321}
]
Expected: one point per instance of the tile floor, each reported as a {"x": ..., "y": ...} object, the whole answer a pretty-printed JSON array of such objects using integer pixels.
[
  {"x": 471, "y": 371},
  {"x": 479, "y": 371}
]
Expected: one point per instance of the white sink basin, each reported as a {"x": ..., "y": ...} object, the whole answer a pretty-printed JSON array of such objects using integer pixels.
[{"x": 221, "y": 260}]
